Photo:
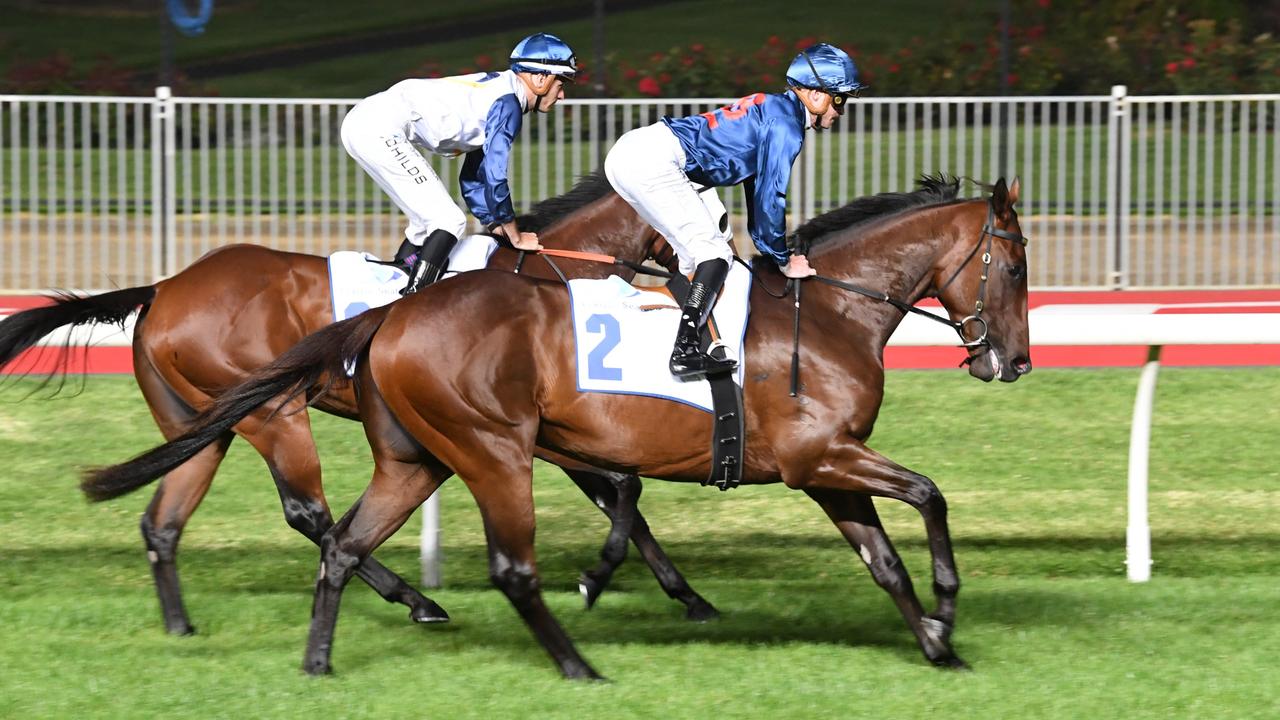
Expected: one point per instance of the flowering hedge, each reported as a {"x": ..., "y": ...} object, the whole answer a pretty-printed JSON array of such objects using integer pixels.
[
  {"x": 57, "y": 74},
  {"x": 1144, "y": 45},
  {"x": 1055, "y": 48}
]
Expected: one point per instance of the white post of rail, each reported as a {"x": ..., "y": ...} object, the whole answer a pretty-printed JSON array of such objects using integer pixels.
[
  {"x": 1138, "y": 534},
  {"x": 161, "y": 174},
  {"x": 1117, "y": 180},
  {"x": 430, "y": 542}
]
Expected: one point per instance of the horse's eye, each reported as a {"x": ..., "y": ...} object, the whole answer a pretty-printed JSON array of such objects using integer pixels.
[{"x": 1017, "y": 271}]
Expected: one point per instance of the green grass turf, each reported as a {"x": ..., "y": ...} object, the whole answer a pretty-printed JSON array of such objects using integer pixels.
[{"x": 1034, "y": 474}]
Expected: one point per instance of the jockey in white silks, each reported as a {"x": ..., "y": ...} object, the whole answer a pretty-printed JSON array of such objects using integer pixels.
[{"x": 478, "y": 115}]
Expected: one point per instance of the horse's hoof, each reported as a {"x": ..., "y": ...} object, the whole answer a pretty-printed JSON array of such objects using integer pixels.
[
  {"x": 428, "y": 613},
  {"x": 590, "y": 590},
  {"x": 951, "y": 662},
  {"x": 581, "y": 671},
  {"x": 701, "y": 611},
  {"x": 183, "y": 630},
  {"x": 316, "y": 668}
]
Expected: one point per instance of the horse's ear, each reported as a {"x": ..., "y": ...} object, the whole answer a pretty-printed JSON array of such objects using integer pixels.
[
  {"x": 1000, "y": 197},
  {"x": 1014, "y": 190}
]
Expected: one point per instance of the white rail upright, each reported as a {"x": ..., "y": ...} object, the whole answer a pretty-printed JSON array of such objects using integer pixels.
[
  {"x": 1138, "y": 532},
  {"x": 430, "y": 554}
]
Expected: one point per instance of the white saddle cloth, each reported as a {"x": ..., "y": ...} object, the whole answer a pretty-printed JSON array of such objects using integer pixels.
[
  {"x": 624, "y": 337},
  {"x": 356, "y": 284}
]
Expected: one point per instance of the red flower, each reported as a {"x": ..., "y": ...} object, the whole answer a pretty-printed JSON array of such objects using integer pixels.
[
  {"x": 686, "y": 61},
  {"x": 630, "y": 73},
  {"x": 1043, "y": 3},
  {"x": 697, "y": 47},
  {"x": 664, "y": 77},
  {"x": 483, "y": 60},
  {"x": 774, "y": 40},
  {"x": 894, "y": 68},
  {"x": 1012, "y": 78},
  {"x": 649, "y": 86},
  {"x": 1035, "y": 32},
  {"x": 1171, "y": 68},
  {"x": 1188, "y": 62}
]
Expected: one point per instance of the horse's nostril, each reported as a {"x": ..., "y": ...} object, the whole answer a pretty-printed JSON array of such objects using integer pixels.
[{"x": 1022, "y": 366}]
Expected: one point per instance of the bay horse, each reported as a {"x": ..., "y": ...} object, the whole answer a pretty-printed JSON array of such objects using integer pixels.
[
  {"x": 481, "y": 414},
  {"x": 240, "y": 306}
]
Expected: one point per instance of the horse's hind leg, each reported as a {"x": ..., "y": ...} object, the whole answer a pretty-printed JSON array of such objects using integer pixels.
[
  {"x": 618, "y": 495},
  {"x": 396, "y": 490},
  {"x": 505, "y": 498},
  {"x": 176, "y": 497},
  {"x": 286, "y": 443}
]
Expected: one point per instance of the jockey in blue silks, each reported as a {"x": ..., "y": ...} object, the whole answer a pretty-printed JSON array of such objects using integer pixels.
[
  {"x": 478, "y": 115},
  {"x": 658, "y": 170}
]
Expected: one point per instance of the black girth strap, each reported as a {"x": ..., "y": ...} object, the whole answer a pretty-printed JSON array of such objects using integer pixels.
[
  {"x": 729, "y": 438},
  {"x": 729, "y": 431}
]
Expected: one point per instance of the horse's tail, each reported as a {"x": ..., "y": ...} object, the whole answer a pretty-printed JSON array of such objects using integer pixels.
[
  {"x": 23, "y": 330},
  {"x": 322, "y": 355}
]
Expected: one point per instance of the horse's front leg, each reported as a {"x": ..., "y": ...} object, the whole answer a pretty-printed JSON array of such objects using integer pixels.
[
  {"x": 851, "y": 469},
  {"x": 616, "y": 496},
  {"x": 856, "y": 518}
]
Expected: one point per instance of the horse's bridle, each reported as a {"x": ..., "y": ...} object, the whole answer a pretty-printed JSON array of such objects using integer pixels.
[{"x": 989, "y": 231}]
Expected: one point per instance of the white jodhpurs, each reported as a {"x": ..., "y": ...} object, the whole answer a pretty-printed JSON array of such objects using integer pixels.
[
  {"x": 646, "y": 168},
  {"x": 400, "y": 170}
]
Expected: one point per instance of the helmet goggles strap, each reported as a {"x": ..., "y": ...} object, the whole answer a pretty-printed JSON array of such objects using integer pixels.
[{"x": 837, "y": 99}]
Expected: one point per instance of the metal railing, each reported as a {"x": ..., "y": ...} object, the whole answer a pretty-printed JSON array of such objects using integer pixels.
[{"x": 1117, "y": 191}]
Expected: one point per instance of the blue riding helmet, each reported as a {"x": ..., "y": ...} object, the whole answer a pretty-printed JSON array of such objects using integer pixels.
[
  {"x": 546, "y": 54},
  {"x": 824, "y": 67}
]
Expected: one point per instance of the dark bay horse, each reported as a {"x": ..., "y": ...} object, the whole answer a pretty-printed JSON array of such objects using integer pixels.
[
  {"x": 241, "y": 306},
  {"x": 481, "y": 415}
]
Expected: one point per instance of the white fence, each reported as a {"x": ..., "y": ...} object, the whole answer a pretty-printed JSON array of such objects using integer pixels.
[{"x": 1118, "y": 191}]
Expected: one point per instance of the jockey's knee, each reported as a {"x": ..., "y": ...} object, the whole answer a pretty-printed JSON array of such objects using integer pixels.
[
  {"x": 714, "y": 248},
  {"x": 453, "y": 222}
]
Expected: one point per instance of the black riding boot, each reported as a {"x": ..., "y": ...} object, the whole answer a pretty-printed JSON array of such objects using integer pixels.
[
  {"x": 687, "y": 358},
  {"x": 406, "y": 255},
  {"x": 432, "y": 261}
]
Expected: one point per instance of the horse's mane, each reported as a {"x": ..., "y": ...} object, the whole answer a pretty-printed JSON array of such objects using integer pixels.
[
  {"x": 589, "y": 188},
  {"x": 933, "y": 190}
]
